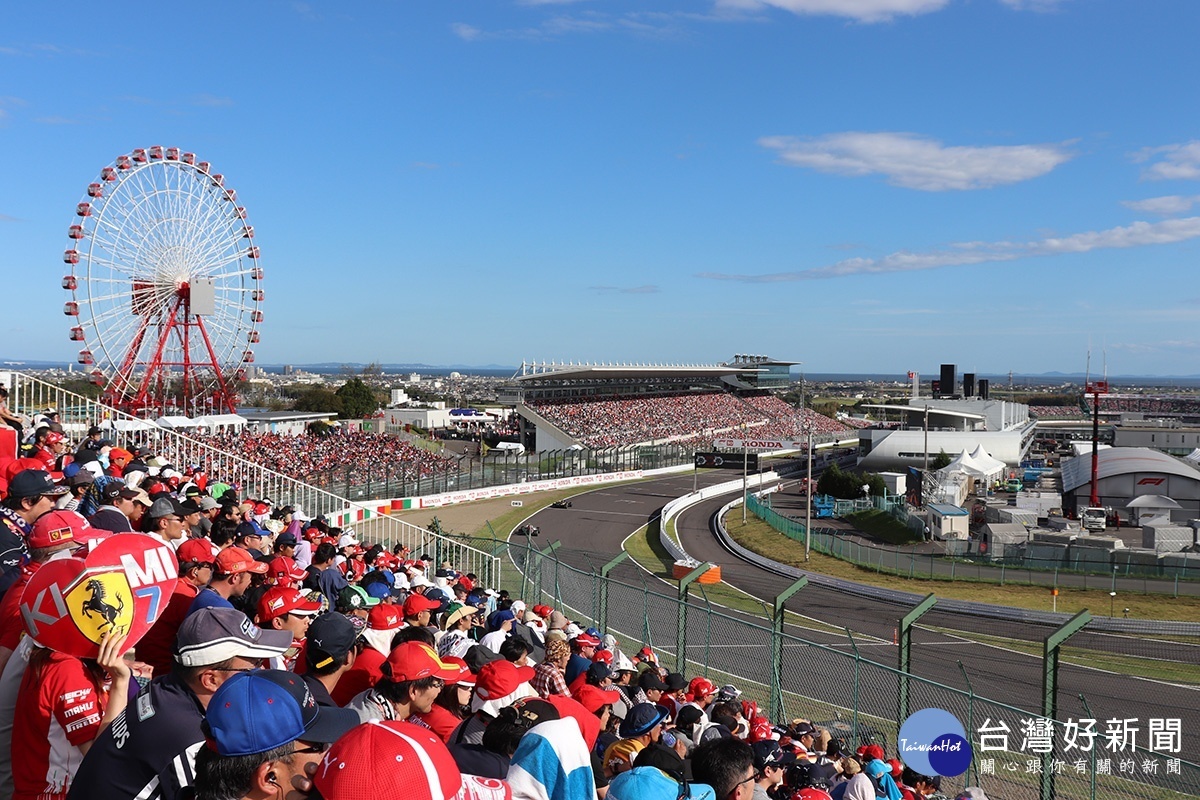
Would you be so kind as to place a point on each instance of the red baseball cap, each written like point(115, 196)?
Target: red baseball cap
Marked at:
point(59, 527)
point(412, 661)
point(384, 617)
point(701, 687)
point(587, 640)
point(389, 758)
point(233, 560)
point(465, 676)
point(593, 698)
point(197, 550)
point(280, 600)
point(285, 570)
point(416, 603)
point(498, 680)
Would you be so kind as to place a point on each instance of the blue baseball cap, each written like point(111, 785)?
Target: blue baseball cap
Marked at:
point(641, 719)
point(651, 783)
point(257, 711)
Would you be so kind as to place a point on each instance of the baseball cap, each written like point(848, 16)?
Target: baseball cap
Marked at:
point(384, 617)
point(593, 698)
point(165, 507)
point(34, 483)
point(412, 661)
point(416, 603)
point(353, 597)
point(207, 503)
point(465, 676)
point(587, 640)
point(644, 783)
point(56, 528)
point(233, 560)
point(381, 590)
point(285, 539)
point(330, 637)
point(199, 551)
point(801, 728)
point(212, 635)
point(347, 539)
point(280, 600)
point(768, 753)
point(286, 570)
point(254, 712)
point(501, 683)
point(641, 719)
point(118, 452)
point(650, 680)
point(389, 758)
point(701, 687)
point(729, 692)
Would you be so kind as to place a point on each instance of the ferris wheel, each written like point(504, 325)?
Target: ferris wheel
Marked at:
point(165, 285)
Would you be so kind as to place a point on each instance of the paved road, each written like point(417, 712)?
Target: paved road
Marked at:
point(593, 530)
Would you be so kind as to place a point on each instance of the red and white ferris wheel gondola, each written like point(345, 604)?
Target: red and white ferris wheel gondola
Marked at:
point(165, 288)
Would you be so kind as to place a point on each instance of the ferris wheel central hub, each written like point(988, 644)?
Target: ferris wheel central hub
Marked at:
point(166, 290)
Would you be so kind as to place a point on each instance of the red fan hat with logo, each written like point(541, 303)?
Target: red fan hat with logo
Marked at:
point(398, 759)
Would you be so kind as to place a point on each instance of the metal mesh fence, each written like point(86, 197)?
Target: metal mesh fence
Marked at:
point(847, 688)
point(1075, 570)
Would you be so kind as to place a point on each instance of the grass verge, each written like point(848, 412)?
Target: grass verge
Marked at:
point(645, 548)
point(1174, 672)
point(762, 538)
point(883, 526)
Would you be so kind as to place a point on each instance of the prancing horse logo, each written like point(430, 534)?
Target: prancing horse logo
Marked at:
point(96, 605)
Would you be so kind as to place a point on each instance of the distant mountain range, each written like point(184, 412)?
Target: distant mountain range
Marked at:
point(997, 379)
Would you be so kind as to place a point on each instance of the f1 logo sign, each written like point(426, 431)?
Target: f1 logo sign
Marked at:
point(1152, 481)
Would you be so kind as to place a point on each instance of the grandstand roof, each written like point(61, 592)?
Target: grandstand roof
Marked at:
point(920, 410)
point(624, 371)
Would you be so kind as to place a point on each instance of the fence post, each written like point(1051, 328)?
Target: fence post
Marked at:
point(681, 635)
point(904, 640)
point(970, 714)
point(542, 594)
point(857, 666)
point(604, 572)
point(777, 614)
point(1050, 688)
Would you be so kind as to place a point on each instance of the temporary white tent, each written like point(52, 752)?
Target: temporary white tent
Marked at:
point(128, 425)
point(221, 422)
point(176, 421)
point(990, 466)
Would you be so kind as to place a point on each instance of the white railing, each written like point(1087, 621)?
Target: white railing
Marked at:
point(30, 396)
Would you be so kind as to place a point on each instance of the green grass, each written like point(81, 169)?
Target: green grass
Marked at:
point(645, 548)
point(1171, 671)
point(883, 526)
point(762, 538)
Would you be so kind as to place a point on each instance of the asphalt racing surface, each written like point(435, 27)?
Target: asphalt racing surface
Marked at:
point(593, 530)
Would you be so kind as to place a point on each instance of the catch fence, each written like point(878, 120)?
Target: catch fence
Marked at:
point(836, 680)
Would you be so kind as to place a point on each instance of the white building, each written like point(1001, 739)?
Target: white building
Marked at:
point(928, 426)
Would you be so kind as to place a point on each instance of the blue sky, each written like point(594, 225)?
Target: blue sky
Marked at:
point(863, 185)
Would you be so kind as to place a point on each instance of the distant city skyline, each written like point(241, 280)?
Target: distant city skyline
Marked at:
point(867, 186)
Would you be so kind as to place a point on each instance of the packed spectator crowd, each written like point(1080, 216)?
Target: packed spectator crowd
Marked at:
point(293, 660)
point(1055, 412)
point(1156, 405)
point(679, 417)
point(337, 457)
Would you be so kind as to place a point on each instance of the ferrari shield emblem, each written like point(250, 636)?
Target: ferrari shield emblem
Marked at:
point(101, 604)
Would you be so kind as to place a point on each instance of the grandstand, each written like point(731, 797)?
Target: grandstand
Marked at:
point(565, 406)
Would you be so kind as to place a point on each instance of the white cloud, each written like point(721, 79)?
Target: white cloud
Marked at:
point(1033, 5)
point(1167, 206)
point(466, 32)
point(966, 253)
point(648, 288)
point(917, 162)
point(860, 10)
point(1175, 162)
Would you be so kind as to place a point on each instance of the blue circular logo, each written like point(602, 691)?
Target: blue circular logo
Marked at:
point(933, 742)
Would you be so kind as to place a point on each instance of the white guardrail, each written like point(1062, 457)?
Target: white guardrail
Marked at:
point(673, 508)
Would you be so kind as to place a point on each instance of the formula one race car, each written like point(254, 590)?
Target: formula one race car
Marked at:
point(561, 504)
point(527, 530)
